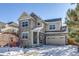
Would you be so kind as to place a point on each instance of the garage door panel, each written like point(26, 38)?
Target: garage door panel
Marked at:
point(55, 40)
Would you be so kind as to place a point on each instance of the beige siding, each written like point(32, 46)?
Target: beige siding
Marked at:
point(58, 25)
point(32, 24)
point(41, 23)
point(25, 42)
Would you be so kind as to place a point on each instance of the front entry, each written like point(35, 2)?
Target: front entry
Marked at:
point(41, 38)
point(38, 38)
point(35, 37)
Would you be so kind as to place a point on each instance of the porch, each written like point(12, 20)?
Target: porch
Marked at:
point(37, 37)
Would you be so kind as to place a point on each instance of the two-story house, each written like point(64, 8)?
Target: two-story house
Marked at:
point(34, 31)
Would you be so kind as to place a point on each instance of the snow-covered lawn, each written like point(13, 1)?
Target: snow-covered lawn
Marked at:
point(45, 50)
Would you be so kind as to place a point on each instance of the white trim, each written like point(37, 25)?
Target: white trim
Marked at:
point(38, 29)
point(24, 19)
point(52, 28)
point(37, 39)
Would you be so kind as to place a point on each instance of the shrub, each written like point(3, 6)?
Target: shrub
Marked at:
point(71, 41)
point(77, 38)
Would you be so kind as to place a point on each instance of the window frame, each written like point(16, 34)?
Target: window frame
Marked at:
point(23, 35)
point(52, 27)
point(24, 23)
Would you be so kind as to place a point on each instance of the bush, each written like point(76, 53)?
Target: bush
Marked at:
point(77, 38)
point(71, 41)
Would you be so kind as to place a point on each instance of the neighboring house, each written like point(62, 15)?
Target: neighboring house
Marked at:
point(2, 25)
point(9, 34)
point(34, 31)
point(10, 27)
point(13, 24)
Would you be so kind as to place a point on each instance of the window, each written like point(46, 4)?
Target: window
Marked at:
point(24, 24)
point(52, 27)
point(38, 23)
point(25, 35)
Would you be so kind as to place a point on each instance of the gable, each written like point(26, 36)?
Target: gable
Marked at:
point(24, 16)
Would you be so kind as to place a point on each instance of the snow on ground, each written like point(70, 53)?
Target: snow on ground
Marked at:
point(45, 50)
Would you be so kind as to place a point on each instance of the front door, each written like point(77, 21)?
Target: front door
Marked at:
point(35, 37)
point(41, 38)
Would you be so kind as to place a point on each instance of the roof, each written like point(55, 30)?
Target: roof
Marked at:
point(50, 20)
point(13, 24)
point(36, 17)
point(38, 29)
point(7, 28)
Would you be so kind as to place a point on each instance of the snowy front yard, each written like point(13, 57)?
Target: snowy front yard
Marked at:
point(45, 50)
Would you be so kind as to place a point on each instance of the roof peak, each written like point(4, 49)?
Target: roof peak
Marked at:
point(24, 15)
point(34, 15)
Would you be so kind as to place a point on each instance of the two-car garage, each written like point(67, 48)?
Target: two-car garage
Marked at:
point(55, 40)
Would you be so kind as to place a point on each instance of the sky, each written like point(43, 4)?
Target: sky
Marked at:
point(12, 11)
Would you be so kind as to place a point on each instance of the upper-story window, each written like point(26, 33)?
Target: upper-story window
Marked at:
point(38, 24)
point(52, 27)
point(24, 24)
point(25, 35)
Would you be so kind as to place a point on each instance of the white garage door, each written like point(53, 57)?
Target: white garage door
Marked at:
point(60, 40)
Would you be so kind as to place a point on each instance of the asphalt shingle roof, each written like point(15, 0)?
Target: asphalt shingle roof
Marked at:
point(50, 20)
